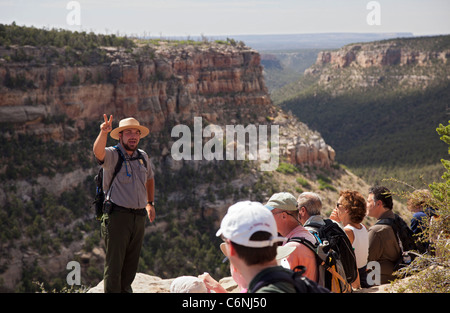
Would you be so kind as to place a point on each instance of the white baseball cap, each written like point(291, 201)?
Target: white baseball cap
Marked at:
point(245, 218)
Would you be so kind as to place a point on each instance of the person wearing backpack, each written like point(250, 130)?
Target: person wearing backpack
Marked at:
point(129, 200)
point(419, 204)
point(250, 233)
point(283, 206)
point(309, 207)
point(335, 255)
point(383, 243)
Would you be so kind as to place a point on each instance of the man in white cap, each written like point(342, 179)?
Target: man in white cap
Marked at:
point(129, 199)
point(250, 233)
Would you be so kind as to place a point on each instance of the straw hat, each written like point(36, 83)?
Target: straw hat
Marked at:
point(128, 123)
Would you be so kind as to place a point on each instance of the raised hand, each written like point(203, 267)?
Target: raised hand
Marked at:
point(106, 126)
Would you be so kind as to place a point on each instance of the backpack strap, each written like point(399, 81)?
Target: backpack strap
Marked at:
point(385, 221)
point(305, 242)
point(120, 162)
point(117, 168)
point(280, 276)
point(391, 222)
point(310, 246)
point(140, 157)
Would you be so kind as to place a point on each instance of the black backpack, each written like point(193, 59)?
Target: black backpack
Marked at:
point(405, 239)
point(335, 256)
point(301, 284)
point(99, 199)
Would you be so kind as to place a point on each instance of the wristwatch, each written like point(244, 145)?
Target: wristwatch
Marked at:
point(151, 203)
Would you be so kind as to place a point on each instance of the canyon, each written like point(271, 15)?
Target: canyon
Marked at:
point(55, 97)
point(161, 85)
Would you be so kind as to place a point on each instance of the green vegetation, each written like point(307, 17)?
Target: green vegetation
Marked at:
point(377, 118)
point(303, 182)
point(31, 36)
point(287, 168)
point(27, 156)
point(283, 67)
point(203, 41)
point(430, 272)
point(426, 43)
point(58, 46)
point(384, 131)
point(325, 183)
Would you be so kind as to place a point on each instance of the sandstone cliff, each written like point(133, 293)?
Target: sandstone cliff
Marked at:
point(158, 84)
point(403, 63)
point(377, 55)
point(161, 85)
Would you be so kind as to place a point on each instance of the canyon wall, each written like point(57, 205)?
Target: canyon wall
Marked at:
point(161, 85)
point(416, 63)
point(378, 55)
point(156, 84)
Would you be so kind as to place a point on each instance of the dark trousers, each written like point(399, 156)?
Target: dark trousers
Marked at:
point(124, 234)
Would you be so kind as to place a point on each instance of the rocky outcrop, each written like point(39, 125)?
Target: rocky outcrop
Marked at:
point(158, 83)
point(415, 63)
point(300, 144)
point(144, 283)
point(162, 85)
point(380, 55)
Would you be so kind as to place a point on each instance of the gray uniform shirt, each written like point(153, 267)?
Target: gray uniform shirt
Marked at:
point(129, 187)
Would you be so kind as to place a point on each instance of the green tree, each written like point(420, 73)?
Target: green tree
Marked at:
point(432, 269)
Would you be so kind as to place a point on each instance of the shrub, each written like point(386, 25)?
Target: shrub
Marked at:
point(287, 168)
point(432, 269)
point(303, 182)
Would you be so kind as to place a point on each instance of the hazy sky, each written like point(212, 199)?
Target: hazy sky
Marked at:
point(231, 17)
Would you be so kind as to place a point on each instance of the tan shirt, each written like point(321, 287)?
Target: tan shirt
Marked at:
point(384, 248)
point(129, 187)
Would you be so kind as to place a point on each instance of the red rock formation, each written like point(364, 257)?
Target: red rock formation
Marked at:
point(155, 85)
point(221, 83)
